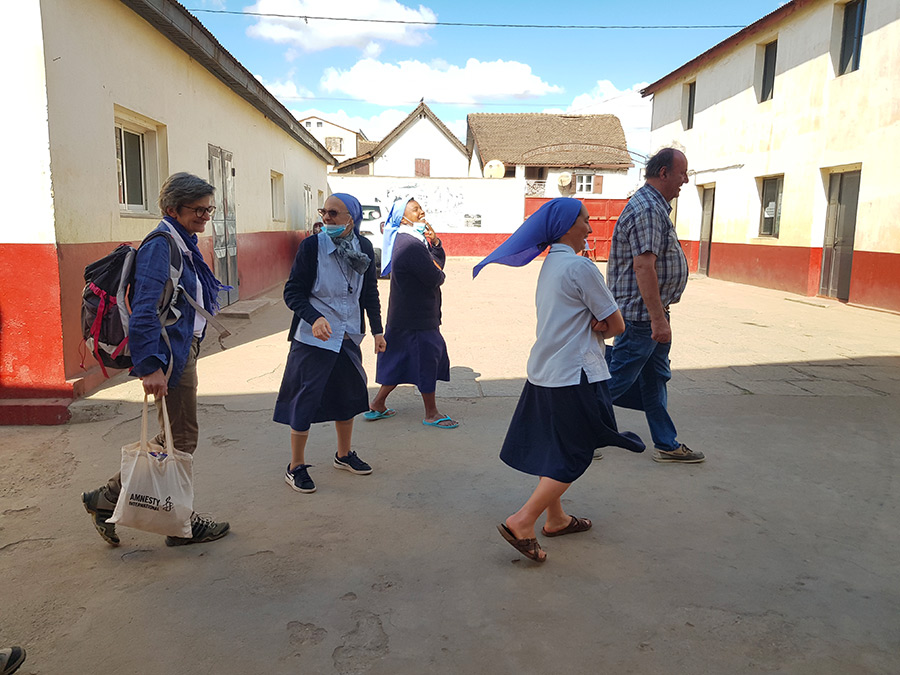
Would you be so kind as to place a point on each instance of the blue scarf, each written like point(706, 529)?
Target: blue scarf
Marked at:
point(391, 226)
point(358, 261)
point(353, 207)
point(205, 277)
point(541, 229)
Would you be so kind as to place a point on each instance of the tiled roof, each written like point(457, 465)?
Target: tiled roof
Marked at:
point(362, 147)
point(541, 139)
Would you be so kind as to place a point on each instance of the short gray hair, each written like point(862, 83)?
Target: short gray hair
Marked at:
point(661, 160)
point(182, 188)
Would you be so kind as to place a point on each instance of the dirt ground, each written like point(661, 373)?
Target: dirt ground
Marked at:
point(780, 554)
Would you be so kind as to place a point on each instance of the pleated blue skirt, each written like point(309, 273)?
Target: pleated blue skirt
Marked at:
point(320, 385)
point(555, 430)
point(416, 357)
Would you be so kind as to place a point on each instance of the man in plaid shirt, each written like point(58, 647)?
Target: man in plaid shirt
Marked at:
point(647, 272)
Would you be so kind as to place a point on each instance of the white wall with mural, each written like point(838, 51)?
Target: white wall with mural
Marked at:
point(460, 205)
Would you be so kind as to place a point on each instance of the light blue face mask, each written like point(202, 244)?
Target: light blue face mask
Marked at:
point(419, 227)
point(334, 231)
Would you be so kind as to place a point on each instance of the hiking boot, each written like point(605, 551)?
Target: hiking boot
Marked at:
point(203, 529)
point(683, 455)
point(299, 479)
point(100, 507)
point(352, 463)
point(10, 660)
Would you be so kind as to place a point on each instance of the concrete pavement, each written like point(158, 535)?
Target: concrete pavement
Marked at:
point(781, 553)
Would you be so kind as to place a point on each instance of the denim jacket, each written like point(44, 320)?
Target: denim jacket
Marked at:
point(148, 349)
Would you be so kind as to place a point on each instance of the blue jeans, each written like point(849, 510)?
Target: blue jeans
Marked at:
point(639, 366)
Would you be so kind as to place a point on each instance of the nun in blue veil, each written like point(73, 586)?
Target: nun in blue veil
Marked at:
point(564, 411)
point(332, 288)
point(416, 352)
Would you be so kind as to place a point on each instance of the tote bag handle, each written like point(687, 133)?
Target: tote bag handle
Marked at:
point(167, 426)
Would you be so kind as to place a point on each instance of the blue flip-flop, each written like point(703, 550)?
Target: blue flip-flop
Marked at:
point(437, 423)
point(373, 415)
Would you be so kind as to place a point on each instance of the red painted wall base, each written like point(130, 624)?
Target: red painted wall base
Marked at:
point(32, 411)
point(874, 280)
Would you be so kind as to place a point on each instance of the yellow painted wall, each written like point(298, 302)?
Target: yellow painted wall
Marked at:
point(814, 123)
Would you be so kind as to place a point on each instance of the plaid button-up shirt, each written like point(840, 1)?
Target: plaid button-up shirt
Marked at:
point(643, 227)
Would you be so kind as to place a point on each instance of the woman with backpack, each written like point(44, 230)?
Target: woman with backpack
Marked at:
point(332, 282)
point(188, 205)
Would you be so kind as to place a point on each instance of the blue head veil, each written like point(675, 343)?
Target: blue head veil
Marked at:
point(390, 233)
point(353, 206)
point(545, 226)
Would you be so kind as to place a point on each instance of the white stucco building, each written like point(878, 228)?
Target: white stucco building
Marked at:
point(341, 142)
point(791, 128)
point(420, 146)
point(110, 98)
point(552, 155)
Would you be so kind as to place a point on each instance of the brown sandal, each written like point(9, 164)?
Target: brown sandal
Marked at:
point(530, 548)
point(575, 525)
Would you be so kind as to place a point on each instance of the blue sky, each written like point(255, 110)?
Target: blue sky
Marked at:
point(315, 66)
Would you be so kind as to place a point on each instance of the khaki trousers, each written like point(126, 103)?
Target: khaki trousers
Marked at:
point(181, 402)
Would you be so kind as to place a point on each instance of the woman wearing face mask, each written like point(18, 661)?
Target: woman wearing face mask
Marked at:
point(416, 352)
point(331, 283)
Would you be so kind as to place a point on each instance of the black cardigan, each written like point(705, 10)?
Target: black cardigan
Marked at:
point(303, 277)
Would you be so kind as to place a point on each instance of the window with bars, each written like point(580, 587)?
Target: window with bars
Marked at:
point(334, 144)
point(276, 183)
point(130, 168)
point(690, 96)
point(768, 72)
point(584, 183)
point(851, 36)
point(770, 212)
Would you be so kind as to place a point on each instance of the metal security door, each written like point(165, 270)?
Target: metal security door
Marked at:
point(840, 229)
point(221, 175)
point(706, 226)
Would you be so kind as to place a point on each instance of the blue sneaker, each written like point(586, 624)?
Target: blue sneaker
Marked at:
point(353, 464)
point(299, 479)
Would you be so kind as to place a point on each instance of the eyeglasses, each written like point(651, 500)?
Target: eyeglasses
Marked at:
point(200, 211)
point(331, 213)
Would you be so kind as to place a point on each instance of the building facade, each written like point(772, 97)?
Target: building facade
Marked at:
point(88, 143)
point(789, 128)
point(341, 142)
point(581, 156)
point(421, 146)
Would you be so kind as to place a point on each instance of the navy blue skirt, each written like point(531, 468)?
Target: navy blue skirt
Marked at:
point(416, 357)
point(320, 385)
point(555, 430)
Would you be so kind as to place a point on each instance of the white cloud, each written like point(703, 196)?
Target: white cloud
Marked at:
point(627, 104)
point(316, 34)
point(375, 127)
point(287, 91)
point(406, 82)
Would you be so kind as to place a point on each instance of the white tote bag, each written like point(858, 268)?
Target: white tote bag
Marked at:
point(157, 484)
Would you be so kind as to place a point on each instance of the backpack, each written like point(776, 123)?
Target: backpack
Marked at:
point(106, 304)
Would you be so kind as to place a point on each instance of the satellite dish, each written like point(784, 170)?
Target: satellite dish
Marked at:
point(565, 179)
point(494, 169)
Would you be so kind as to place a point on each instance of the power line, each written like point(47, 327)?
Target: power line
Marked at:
point(412, 101)
point(462, 24)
